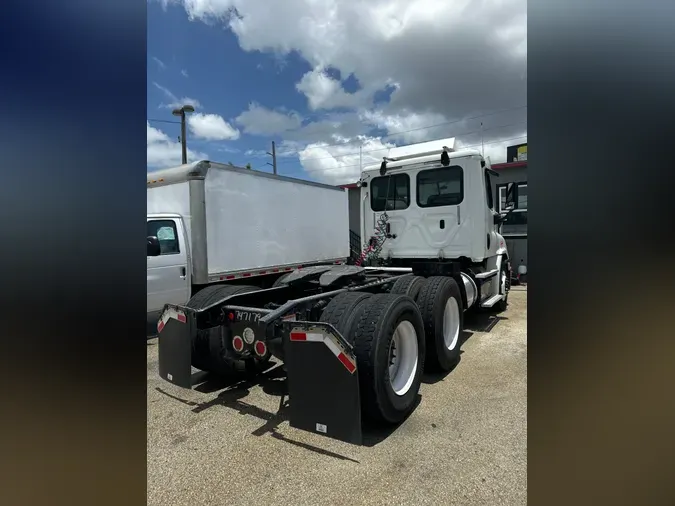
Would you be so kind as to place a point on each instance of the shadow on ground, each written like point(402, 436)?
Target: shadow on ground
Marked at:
point(233, 392)
point(483, 321)
point(273, 382)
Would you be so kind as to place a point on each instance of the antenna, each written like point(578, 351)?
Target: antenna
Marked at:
point(482, 139)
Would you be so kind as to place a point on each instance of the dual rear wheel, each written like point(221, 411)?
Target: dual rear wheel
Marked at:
point(395, 336)
point(387, 335)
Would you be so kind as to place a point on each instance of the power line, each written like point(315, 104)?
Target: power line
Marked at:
point(164, 121)
point(385, 149)
point(394, 134)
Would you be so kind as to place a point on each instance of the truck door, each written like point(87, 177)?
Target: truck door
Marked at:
point(492, 239)
point(390, 193)
point(168, 273)
point(444, 220)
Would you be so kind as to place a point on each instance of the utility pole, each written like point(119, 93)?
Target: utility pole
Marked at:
point(273, 154)
point(183, 141)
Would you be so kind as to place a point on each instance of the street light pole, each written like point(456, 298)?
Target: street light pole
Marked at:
point(183, 140)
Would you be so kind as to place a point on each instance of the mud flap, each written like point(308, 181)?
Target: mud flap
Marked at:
point(175, 328)
point(323, 383)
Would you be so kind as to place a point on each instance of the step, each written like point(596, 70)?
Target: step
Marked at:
point(487, 274)
point(491, 301)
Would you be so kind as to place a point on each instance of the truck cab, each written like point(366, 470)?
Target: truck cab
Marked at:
point(168, 272)
point(437, 203)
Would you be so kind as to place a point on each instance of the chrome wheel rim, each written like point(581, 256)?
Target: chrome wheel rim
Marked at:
point(403, 358)
point(451, 323)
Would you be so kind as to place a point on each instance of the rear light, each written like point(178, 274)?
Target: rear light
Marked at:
point(230, 317)
point(249, 335)
point(260, 349)
point(238, 344)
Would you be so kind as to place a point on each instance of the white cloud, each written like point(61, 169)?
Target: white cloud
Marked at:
point(342, 163)
point(324, 92)
point(163, 152)
point(159, 63)
point(452, 57)
point(286, 149)
point(185, 73)
point(446, 61)
point(259, 120)
point(211, 127)
point(174, 100)
point(407, 126)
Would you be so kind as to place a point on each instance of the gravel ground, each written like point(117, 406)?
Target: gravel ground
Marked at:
point(465, 444)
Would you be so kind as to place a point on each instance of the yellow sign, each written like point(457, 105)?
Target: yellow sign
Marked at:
point(522, 153)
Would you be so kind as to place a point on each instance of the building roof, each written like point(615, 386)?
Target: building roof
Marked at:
point(509, 165)
point(495, 166)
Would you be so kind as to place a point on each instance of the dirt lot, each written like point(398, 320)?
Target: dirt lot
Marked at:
point(465, 444)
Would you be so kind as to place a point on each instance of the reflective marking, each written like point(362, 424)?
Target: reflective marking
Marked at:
point(170, 313)
point(331, 343)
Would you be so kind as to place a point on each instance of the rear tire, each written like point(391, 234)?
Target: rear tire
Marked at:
point(341, 311)
point(209, 352)
point(440, 302)
point(389, 375)
point(409, 285)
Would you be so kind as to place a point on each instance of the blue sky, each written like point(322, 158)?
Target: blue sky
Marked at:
point(195, 60)
point(328, 81)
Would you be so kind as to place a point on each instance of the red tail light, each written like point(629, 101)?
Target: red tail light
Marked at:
point(237, 344)
point(260, 349)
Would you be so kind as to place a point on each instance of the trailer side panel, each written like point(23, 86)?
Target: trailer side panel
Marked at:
point(255, 222)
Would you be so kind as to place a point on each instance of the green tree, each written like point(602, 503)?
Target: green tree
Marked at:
point(248, 166)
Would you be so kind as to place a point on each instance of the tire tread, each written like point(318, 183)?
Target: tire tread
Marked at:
point(428, 302)
point(367, 329)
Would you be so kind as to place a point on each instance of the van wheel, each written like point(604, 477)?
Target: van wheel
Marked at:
point(388, 340)
point(209, 352)
point(409, 285)
point(440, 303)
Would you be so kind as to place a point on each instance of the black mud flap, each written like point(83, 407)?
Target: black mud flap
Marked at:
point(323, 383)
point(175, 328)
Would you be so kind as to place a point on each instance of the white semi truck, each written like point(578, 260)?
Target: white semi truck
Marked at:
point(355, 339)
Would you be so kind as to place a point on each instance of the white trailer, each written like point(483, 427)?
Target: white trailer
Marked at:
point(210, 223)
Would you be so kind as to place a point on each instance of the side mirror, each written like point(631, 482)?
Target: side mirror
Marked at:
point(153, 246)
point(510, 196)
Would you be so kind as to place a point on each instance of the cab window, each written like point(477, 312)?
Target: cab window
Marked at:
point(166, 233)
point(440, 187)
point(390, 192)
